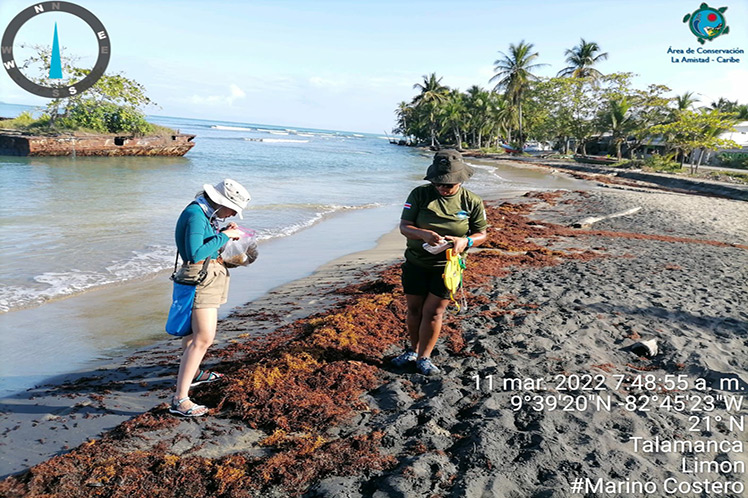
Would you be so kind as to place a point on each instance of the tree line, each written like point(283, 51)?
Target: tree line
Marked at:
point(571, 110)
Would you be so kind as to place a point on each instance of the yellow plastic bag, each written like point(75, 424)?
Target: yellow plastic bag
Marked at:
point(453, 276)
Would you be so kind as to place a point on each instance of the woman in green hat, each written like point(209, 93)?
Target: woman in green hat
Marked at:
point(437, 213)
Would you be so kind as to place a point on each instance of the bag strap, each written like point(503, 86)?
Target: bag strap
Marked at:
point(204, 270)
point(201, 274)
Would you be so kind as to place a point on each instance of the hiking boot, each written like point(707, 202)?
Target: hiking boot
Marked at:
point(425, 367)
point(404, 359)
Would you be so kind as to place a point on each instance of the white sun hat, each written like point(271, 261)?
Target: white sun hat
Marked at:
point(229, 193)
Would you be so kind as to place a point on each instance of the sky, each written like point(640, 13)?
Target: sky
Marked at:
point(345, 65)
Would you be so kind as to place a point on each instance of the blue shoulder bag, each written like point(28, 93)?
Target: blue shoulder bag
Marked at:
point(179, 321)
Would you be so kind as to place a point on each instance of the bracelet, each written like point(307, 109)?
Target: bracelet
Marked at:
point(470, 241)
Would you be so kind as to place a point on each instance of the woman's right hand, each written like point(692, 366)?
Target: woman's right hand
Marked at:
point(233, 233)
point(431, 238)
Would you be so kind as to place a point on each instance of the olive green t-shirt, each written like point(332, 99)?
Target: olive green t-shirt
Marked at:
point(458, 215)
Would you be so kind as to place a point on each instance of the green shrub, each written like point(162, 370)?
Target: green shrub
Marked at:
point(733, 160)
point(104, 117)
point(660, 163)
point(730, 176)
point(21, 122)
point(630, 164)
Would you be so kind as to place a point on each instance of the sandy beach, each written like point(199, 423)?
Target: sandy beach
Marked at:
point(545, 390)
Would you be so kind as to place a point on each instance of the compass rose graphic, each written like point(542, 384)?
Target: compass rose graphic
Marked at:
point(55, 70)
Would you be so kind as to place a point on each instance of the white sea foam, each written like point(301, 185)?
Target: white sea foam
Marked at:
point(320, 213)
point(55, 285)
point(276, 140)
point(231, 128)
point(154, 259)
point(491, 170)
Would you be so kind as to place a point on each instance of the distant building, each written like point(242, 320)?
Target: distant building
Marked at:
point(740, 136)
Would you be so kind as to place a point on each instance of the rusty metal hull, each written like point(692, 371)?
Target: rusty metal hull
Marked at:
point(18, 144)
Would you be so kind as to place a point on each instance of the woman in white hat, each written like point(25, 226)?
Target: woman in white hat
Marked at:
point(198, 236)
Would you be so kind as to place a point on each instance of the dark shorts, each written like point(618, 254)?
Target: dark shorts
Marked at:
point(420, 281)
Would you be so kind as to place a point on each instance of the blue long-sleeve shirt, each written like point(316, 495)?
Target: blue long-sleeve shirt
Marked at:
point(196, 238)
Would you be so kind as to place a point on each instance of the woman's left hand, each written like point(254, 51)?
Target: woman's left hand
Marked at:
point(230, 226)
point(459, 244)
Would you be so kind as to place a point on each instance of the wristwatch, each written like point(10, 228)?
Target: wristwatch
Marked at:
point(470, 241)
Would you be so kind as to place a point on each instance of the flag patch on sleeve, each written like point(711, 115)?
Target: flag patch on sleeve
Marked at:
point(407, 205)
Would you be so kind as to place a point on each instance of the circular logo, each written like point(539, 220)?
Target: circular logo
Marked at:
point(707, 23)
point(54, 92)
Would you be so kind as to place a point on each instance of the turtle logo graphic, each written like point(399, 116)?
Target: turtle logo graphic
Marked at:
point(707, 23)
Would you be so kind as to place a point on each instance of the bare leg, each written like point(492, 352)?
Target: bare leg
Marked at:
point(204, 323)
point(186, 341)
point(431, 324)
point(413, 317)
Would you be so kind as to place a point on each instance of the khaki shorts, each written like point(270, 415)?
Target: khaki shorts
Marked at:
point(214, 290)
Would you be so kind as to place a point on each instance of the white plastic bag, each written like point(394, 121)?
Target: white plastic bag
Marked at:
point(241, 252)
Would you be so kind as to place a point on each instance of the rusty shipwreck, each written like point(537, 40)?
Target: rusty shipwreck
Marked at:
point(15, 143)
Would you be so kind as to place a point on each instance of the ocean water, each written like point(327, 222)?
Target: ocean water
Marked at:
point(73, 226)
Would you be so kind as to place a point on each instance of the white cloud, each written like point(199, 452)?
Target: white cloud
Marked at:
point(235, 93)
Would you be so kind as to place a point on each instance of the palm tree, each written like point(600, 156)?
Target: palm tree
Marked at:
point(724, 105)
point(433, 94)
point(454, 115)
point(477, 108)
point(514, 74)
point(403, 112)
point(685, 101)
point(581, 59)
point(619, 121)
point(500, 117)
point(742, 111)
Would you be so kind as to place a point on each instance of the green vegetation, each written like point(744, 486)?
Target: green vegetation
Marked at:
point(581, 60)
point(742, 177)
point(733, 160)
point(659, 163)
point(579, 111)
point(113, 105)
point(514, 76)
point(696, 131)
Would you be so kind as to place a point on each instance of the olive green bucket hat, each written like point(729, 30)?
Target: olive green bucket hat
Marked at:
point(448, 167)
